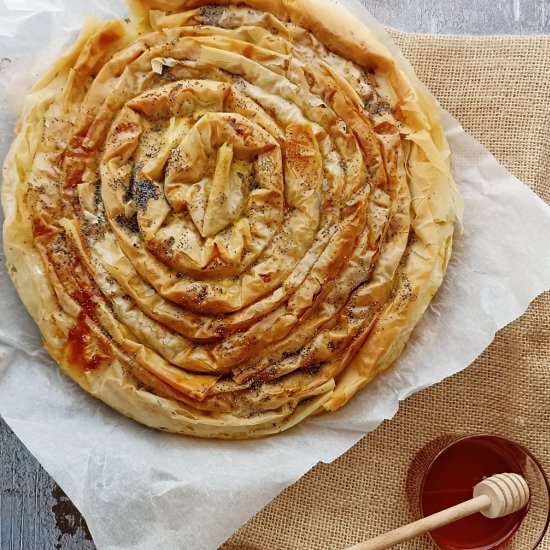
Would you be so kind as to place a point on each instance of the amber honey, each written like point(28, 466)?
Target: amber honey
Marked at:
point(450, 479)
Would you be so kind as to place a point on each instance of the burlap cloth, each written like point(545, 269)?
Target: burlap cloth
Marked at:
point(499, 89)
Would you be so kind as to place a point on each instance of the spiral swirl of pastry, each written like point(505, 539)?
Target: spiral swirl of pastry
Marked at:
point(225, 218)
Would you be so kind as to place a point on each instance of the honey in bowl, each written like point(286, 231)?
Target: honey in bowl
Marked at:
point(450, 480)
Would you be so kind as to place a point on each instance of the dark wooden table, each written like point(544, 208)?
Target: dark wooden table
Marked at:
point(35, 514)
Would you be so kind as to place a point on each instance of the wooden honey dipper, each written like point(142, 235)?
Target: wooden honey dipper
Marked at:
point(494, 497)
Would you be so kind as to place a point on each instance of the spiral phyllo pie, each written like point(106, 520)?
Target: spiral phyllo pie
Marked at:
point(226, 218)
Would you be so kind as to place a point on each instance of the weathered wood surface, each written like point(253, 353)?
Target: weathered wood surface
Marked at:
point(464, 16)
point(35, 514)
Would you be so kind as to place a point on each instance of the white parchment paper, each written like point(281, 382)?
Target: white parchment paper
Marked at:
point(142, 489)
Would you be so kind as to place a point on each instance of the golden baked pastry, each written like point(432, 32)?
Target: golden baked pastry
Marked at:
point(225, 218)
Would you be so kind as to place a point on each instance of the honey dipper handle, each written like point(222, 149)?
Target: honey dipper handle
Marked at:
point(424, 525)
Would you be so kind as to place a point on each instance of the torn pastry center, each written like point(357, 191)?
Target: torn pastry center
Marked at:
point(206, 190)
point(222, 171)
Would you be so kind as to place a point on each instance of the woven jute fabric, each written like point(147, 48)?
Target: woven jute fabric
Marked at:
point(499, 89)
